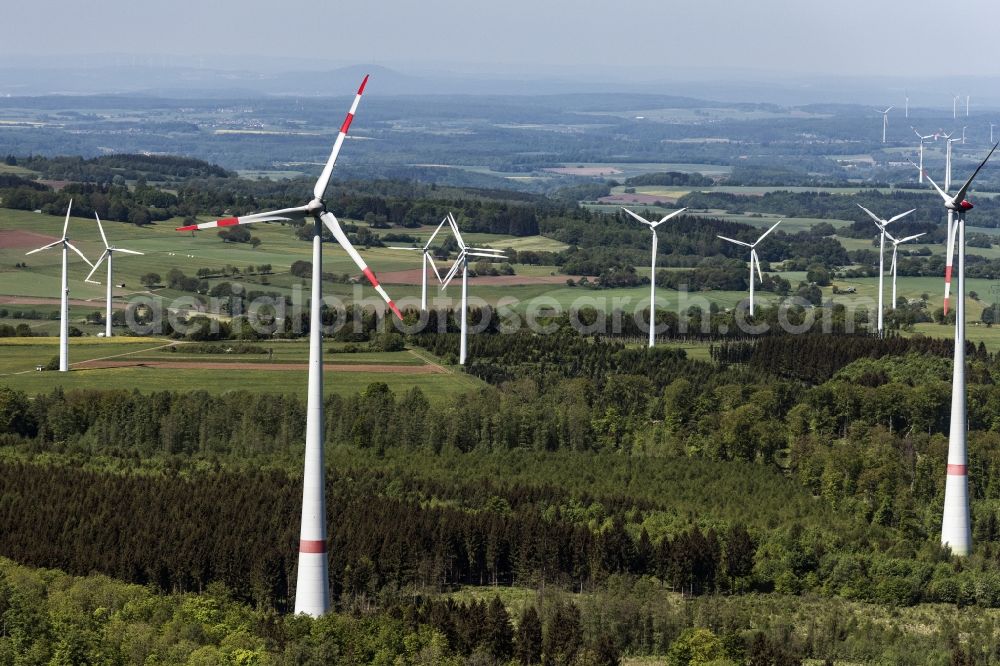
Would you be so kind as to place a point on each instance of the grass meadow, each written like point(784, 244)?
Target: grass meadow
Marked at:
point(20, 356)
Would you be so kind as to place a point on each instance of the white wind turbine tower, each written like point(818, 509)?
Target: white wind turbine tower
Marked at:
point(907, 108)
point(427, 259)
point(892, 268)
point(881, 224)
point(966, 106)
point(922, 139)
point(956, 529)
point(754, 259)
point(947, 157)
point(954, 107)
point(652, 276)
point(462, 262)
point(312, 592)
point(64, 290)
point(950, 241)
point(885, 121)
point(949, 253)
point(108, 253)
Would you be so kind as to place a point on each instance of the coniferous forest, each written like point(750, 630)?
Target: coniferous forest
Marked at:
point(594, 502)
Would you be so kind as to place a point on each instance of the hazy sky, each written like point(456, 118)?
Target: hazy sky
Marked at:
point(646, 38)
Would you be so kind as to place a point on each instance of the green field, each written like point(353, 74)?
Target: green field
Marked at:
point(20, 171)
point(166, 249)
point(789, 225)
point(19, 356)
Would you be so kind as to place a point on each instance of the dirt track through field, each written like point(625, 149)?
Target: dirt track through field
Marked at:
point(40, 300)
point(220, 365)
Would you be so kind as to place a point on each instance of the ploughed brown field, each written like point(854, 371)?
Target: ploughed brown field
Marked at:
point(18, 238)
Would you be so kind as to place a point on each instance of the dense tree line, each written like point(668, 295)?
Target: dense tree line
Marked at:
point(670, 179)
point(13, 181)
point(686, 241)
point(816, 358)
point(716, 273)
point(103, 169)
point(184, 532)
point(566, 354)
point(926, 265)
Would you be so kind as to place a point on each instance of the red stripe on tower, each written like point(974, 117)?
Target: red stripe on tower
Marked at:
point(347, 123)
point(371, 276)
point(392, 306)
point(946, 305)
point(957, 470)
point(190, 227)
point(228, 222)
point(311, 546)
point(947, 273)
point(364, 82)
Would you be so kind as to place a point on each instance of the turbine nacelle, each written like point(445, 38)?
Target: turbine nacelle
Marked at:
point(315, 207)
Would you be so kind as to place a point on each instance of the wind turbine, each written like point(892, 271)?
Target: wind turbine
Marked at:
point(949, 259)
point(907, 108)
point(312, 593)
point(64, 290)
point(947, 157)
point(462, 262)
point(922, 138)
point(954, 107)
point(966, 106)
point(956, 524)
point(892, 268)
point(885, 121)
point(652, 276)
point(963, 134)
point(427, 259)
point(881, 224)
point(108, 253)
point(754, 259)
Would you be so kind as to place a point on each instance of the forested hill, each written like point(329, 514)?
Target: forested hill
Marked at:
point(173, 187)
point(124, 166)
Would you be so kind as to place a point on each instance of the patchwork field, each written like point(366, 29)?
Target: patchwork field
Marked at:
point(29, 294)
point(149, 364)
